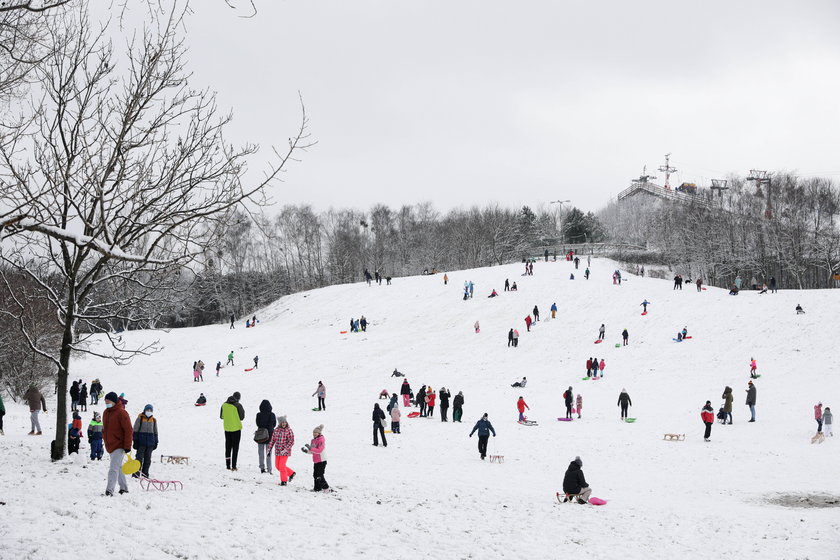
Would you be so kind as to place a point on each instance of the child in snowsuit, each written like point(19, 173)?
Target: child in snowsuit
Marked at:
point(282, 440)
point(395, 419)
point(827, 422)
point(579, 404)
point(602, 365)
point(753, 367)
point(94, 434)
point(74, 434)
point(430, 403)
point(521, 405)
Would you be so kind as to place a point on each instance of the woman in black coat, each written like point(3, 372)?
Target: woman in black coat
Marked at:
point(265, 419)
point(378, 418)
point(458, 407)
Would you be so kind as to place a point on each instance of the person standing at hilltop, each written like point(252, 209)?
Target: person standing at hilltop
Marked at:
point(727, 404)
point(36, 402)
point(708, 417)
point(118, 436)
point(624, 402)
point(751, 398)
point(266, 422)
point(321, 391)
point(458, 407)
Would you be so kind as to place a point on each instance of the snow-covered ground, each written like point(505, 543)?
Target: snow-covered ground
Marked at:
point(428, 493)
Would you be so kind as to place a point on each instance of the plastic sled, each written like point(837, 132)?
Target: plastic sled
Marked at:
point(564, 419)
point(629, 420)
point(316, 409)
point(676, 340)
point(599, 341)
point(644, 313)
point(413, 414)
point(342, 332)
point(704, 289)
point(200, 404)
point(597, 502)
point(131, 466)
point(617, 345)
point(161, 485)
point(586, 378)
point(249, 369)
point(686, 337)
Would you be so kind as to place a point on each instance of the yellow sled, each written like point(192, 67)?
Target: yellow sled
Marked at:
point(131, 466)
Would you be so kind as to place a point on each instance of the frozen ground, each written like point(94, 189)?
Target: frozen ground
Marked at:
point(427, 493)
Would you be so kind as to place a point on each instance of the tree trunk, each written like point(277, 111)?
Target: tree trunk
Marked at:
point(60, 442)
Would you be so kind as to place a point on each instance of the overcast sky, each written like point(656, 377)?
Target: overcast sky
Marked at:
point(463, 102)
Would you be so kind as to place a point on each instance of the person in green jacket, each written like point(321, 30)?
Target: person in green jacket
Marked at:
point(232, 415)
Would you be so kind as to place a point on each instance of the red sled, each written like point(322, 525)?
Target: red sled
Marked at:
point(413, 414)
point(597, 501)
point(644, 312)
point(249, 369)
point(201, 404)
point(599, 341)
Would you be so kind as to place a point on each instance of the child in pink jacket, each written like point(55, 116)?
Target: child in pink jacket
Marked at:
point(282, 441)
point(601, 366)
point(395, 419)
point(579, 401)
point(316, 449)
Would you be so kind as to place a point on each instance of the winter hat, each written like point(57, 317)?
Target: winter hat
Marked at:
point(236, 395)
point(708, 402)
point(749, 382)
point(578, 461)
point(318, 429)
point(112, 396)
point(148, 407)
point(484, 416)
point(96, 417)
point(281, 419)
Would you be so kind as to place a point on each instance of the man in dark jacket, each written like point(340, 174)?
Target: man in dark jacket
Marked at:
point(118, 435)
point(458, 407)
point(378, 418)
point(95, 389)
point(266, 420)
point(624, 401)
point(83, 395)
point(751, 393)
point(74, 397)
point(575, 483)
point(421, 400)
point(568, 397)
point(443, 395)
point(484, 428)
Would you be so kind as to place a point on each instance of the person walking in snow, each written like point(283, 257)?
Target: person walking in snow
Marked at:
point(94, 434)
point(568, 398)
point(751, 397)
point(430, 403)
point(601, 366)
point(528, 322)
point(644, 305)
point(536, 314)
point(405, 391)
point(589, 367)
point(828, 420)
point(625, 336)
point(363, 323)
point(232, 321)
point(145, 439)
point(118, 435)
point(707, 415)
point(36, 402)
point(586, 273)
point(200, 368)
point(699, 283)
point(74, 397)
point(230, 359)
point(484, 428)
point(579, 404)
point(595, 367)
point(575, 483)
point(444, 395)
point(753, 367)
point(458, 407)
point(266, 422)
point(554, 310)
point(218, 367)
point(818, 416)
point(420, 400)
point(282, 441)
point(601, 331)
point(445, 279)
point(510, 337)
point(256, 362)
point(477, 327)
point(321, 391)
point(577, 262)
point(316, 448)
point(507, 284)
point(232, 414)
point(378, 417)
point(515, 338)
point(727, 404)
point(521, 405)
point(624, 402)
point(95, 389)
point(395, 419)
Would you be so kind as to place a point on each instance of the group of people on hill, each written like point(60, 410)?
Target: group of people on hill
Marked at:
point(358, 325)
point(378, 277)
point(593, 367)
point(79, 395)
point(252, 322)
point(724, 414)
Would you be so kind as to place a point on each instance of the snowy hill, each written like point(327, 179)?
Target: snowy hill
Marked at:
point(428, 493)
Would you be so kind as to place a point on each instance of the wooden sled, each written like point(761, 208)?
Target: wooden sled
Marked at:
point(674, 437)
point(567, 498)
point(161, 485)
point(177, 459)
point(497, 458)
point(818, 438)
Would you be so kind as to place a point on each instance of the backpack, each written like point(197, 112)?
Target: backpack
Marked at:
point(262, 435)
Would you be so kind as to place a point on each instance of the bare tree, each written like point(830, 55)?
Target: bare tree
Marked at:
point(122, 180)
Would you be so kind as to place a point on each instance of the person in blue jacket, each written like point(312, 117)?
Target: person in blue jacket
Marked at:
point(484, 427)
point(145, 439)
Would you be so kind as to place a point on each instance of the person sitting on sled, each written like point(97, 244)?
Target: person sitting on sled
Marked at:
point(201, 401)
point(679, 337)
point(684, 332)
point(575, 483)
point(799, 310)
point(493, 294)
point(520, 383)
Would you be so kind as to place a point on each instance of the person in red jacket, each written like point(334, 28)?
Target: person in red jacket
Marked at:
point(521, 405)
point(528, 322)
point(708, 417)
point(118, 435)
point(430, 403)
point(589, 367)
